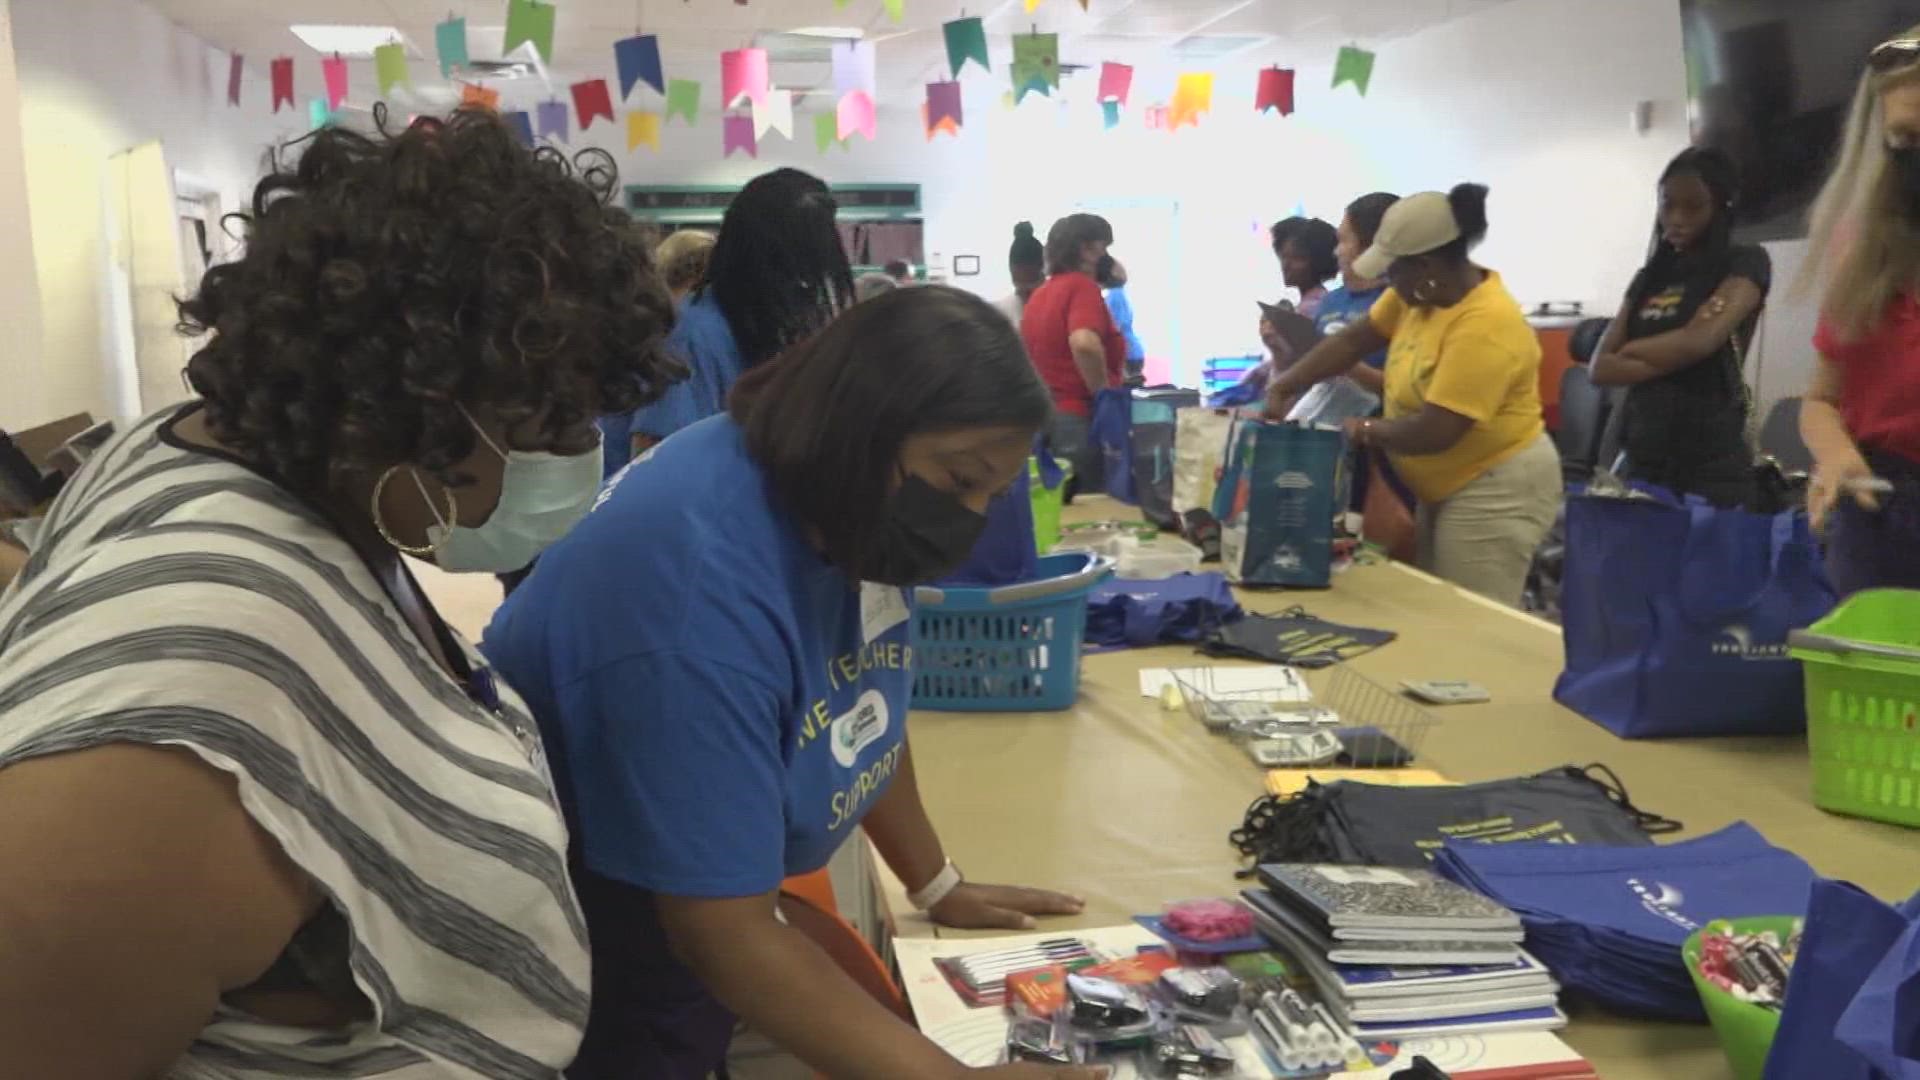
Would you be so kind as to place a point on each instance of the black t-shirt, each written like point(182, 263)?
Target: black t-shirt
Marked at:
point(1695, 417)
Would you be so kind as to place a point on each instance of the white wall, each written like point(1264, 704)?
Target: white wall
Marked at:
point(98, 77)
point(20, 401)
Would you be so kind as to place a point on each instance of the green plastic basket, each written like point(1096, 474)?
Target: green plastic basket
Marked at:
point(1745, 1030)
point(1047, 505)
point(1863, 706)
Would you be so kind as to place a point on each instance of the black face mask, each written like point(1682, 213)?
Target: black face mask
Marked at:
point(925, 535)
point(1103, 272)
point(1906, 174)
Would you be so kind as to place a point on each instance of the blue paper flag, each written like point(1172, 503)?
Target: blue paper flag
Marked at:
point(1112, 111)
point(522, 125)
point(638, 59)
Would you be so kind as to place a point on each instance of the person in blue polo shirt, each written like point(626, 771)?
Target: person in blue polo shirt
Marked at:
point(719, 660)
point(1355, 296)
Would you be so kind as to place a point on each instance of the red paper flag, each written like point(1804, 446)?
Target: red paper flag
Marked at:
point(282, 67)
point(1116, 82)
point(234, 68)
point(1276, 91)
point(591, 98)
point(335, 70)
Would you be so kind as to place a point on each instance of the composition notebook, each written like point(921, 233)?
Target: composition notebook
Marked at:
point(1381, 897)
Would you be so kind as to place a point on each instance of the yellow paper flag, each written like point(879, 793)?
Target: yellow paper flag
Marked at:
point(1192, 96)
point(1031, 5)
point(643, 128)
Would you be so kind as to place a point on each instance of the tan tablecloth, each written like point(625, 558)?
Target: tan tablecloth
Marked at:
point(1130, 806)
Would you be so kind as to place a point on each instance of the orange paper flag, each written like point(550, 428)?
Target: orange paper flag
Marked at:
point(484, 96)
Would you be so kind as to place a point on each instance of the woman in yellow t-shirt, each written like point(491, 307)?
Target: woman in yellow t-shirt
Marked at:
point(1463, 423)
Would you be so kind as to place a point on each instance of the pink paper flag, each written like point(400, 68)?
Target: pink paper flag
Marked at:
point(736, 133)
point(282, 68)
point(334, 70)
point(234, 67)
point(1116, 82)
point(743, 74)
point(856, 114)
point(592, 99)
point(944, 108)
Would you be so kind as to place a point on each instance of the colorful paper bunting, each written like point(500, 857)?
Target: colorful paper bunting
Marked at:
point(522, 125)
point(592, 100)
point(235, 68)
point(551, 120)
point(736, 133)
point(484, 96)
point(967, 40)
point(1156, 118)
point(1192, 95)
point(944, 108)
point(334, 70)
point(318, 115)
point(1036, 64)
point(743, 76)
point(774, 114)
point(643, 129)
point(683, 99)
point(450, 42)
point(1116, 82)
point(638, 59)
point(529, 21)
point(390, 66)
point(826, 131)
point(853, 69)
point(1275, 91)
point(1354, 66)
point(855, 114)
point(1111, 110)
point(282, 68)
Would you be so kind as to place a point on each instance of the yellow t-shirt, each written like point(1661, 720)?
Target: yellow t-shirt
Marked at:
point(1478, 358)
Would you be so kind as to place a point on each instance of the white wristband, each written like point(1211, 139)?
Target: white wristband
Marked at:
point(929, 896)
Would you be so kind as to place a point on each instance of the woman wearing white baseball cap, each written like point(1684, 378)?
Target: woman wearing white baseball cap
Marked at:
point(1463, 423)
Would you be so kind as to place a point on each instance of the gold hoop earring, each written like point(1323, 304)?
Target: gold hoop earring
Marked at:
point(379, 523)
point(1423, 292)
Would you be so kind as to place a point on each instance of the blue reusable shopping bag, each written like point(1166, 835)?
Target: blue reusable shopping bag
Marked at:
point(1676, 616)
point(1184, 607)
point(1838, 1023)
point(1111, 433)
point(1006, 551)
point(1280, 486)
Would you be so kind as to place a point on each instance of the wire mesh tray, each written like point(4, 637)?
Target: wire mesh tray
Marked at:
point(1338, 716)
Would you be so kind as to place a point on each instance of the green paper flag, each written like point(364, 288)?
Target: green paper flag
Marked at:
point(683, 99)
point(896, 9)
point(1036, 64)
point(530, 20)
point(826, 131)
point(967, 40)
point(1354, 66)
point(450, 40)
point(1112, 111)
point(390, 65)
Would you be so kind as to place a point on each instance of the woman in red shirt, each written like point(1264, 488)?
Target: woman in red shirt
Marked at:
point(1071, 336)
point(1861, 418)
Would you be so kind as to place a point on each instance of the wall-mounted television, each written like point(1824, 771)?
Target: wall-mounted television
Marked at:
point(1770, 82)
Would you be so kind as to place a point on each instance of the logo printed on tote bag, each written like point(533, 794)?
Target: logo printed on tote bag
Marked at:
point(1293, 481)
point(1737, 640)
point(1660, 899)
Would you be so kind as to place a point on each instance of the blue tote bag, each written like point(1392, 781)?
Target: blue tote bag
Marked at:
point(1842, 1019)
point(1111, 433)
point(1005, 552)
point(1676, 616)
point(1279, 489)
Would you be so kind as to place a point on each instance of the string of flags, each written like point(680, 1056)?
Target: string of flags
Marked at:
point(753, 108)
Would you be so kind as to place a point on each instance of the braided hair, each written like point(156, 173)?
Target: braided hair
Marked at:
point(779, 271)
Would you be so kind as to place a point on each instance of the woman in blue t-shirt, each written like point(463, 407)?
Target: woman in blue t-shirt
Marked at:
point(719, 660)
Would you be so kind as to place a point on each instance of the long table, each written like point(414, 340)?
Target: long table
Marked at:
point(1130, 806)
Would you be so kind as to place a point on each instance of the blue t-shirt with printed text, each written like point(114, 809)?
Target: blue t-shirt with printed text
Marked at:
point(1342, 308)
point(721, 705)
point(703, 341)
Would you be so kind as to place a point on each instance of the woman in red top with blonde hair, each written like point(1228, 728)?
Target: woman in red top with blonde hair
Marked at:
point(1861, 419)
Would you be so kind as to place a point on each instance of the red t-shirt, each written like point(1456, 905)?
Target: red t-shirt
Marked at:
point(1066, 303)
point(1880, 391)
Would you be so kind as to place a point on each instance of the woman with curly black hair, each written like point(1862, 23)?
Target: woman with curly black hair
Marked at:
point(281, 820)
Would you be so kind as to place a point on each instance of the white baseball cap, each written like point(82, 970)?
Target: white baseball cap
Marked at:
point(1415, 225)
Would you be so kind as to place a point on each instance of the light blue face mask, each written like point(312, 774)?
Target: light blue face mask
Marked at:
point(542, 496)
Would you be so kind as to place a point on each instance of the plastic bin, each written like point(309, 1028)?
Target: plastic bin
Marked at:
point(1745, 1030)
point(1161, 557)
point(1047, 503)
point(1015, 648)
point(1863, 705)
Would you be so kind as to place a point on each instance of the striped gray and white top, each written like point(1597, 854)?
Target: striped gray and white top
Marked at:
point(177, 598)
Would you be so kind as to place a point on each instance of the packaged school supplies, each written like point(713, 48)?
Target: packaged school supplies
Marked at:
point(1279, 490)
point(1844, 1017)
point(1044, 990)
point(1126, 612)
point(1353, 721)
point(1294, 930)
point(1293, 637)
point(1611, 921)
point(981, 979)
point(1676, 616)
point(1740, 969)
point(1339, 899)
point(1363, 824)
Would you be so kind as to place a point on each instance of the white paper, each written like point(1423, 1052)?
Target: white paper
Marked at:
point(1283, 684)
point(882, 607)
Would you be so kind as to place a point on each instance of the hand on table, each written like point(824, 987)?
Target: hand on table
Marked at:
point(1001, 907)
point(1026, 1070)
point(1830, 485)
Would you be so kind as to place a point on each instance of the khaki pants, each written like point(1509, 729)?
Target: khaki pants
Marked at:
point(1482, 537)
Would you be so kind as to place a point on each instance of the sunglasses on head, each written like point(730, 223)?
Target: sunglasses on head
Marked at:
point(1893, 55)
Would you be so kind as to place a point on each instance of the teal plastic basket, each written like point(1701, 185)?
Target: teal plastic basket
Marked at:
point(1015, 648)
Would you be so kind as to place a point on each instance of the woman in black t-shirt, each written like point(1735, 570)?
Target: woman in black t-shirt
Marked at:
point(1680, 341)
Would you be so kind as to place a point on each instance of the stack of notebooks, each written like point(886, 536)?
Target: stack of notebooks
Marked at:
point(1403, 954)
point(1610, 921)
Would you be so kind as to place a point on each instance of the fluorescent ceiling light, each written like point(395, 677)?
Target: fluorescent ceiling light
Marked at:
point(351, 40)
point(845, 33)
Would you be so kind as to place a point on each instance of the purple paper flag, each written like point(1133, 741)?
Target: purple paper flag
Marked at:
point(736, 133)
point(552, 120)
point(853, 67)
point(638, 59)
point(943, 104)
point(234, 68)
